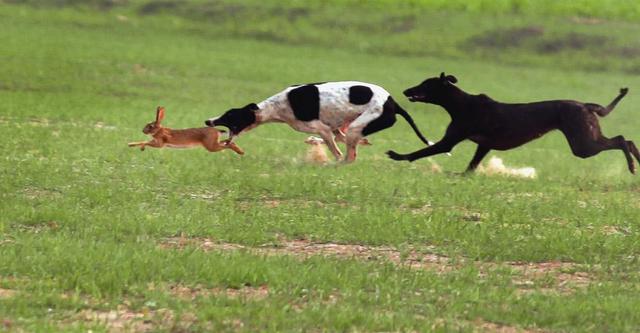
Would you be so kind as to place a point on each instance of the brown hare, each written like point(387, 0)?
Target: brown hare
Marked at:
point(208, 137)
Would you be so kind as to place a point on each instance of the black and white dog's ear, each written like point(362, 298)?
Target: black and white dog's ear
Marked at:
point(452, 79)
point(251, 106)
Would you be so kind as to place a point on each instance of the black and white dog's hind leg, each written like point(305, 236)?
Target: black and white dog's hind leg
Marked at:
point(321, 129)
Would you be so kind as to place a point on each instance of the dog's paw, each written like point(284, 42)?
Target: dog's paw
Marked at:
point(395, 156)
point(624, 91)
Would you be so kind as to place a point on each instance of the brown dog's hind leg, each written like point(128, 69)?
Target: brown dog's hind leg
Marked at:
point(585, 138)
point(634, 150)
point(585, 147)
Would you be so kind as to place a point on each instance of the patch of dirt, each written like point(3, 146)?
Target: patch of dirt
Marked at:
point(571, 41)
point(274, 202)
point(156, 7)
point(103, 126)
point(204, 195)
point(513, 196)
point(32, 193)
point(533, 38)
point(586, 20)
point(245, 292)
point(104, 5)
point(208, 11)
point(305, 249)
point(505, 38)
point(612, 230)
point(400, 24)
point(6, 239)
point(37, 227)
point(292, 14)
point(425, 209)
point(7, 293)
point(484, 326)
point(549, 277)
point(124, 319)
point(562, 277)
point(7, 324)
point(628, 52)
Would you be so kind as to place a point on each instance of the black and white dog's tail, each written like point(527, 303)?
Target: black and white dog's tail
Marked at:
point(399, 110)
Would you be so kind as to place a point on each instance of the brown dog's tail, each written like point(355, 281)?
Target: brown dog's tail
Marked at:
point(602, 111)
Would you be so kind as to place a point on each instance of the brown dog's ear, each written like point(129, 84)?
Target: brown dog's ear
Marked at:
point(452, 79)
point(447, 79)
point(159, 114)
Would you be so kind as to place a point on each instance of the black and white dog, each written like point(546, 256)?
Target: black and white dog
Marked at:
point(323, 109)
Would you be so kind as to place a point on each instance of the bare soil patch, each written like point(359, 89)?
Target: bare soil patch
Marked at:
point(124, 319)
point(37, 227)
point(245, 292)
point(412, 258)
point(553, 276)
point(505, 38)
point(7, 293)
point(491, 327)
point(549, 277)
point(571, 41)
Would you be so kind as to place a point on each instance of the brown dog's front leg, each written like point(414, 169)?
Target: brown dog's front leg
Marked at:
point(481, 152)
point(443, 146)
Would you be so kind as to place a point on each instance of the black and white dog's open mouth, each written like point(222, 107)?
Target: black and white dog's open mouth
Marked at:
point(414, 98)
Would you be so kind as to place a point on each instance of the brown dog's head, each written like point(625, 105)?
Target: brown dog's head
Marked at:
point(236, 120)
point(154, 126)
point(431, 90)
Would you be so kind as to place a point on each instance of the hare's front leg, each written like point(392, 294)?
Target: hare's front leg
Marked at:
point(139, 143)
point(143, 144)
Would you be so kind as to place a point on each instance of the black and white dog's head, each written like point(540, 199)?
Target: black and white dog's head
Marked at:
point(236, 120)
point(432, 89)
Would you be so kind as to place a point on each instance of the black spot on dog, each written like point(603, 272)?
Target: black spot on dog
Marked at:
point(305, 102)
point(386, 119)
point(360, 95)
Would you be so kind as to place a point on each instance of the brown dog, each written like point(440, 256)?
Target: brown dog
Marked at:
point(503, 126)
point(208, 137)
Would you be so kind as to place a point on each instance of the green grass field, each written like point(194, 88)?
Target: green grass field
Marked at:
point(98, 236)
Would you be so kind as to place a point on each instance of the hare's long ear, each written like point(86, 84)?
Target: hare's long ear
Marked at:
point(159, 114)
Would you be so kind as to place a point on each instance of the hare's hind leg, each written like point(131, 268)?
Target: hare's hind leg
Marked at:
point(212, 145)
point(234, 147)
